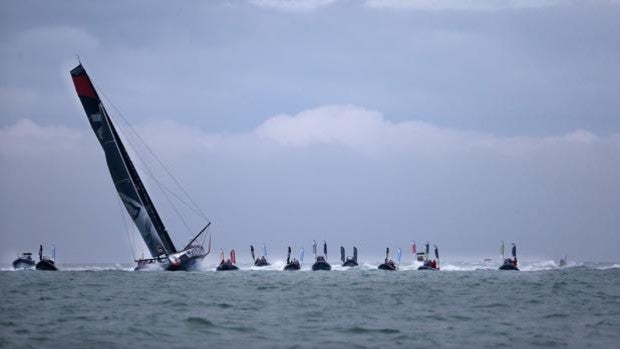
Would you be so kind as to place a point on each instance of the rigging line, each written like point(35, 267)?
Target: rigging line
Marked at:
point(158, 160)
point(196, 208)
point(153, 154)
point(148, 170)
point(164, 189)
point(176, 196)
point(159, 184)
point(204, 238)
point(120, 206)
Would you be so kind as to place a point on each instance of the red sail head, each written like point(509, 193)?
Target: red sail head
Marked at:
point(84, 87)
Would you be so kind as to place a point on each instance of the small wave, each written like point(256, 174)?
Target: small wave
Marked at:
point(95, 268)
point(200, 321)
point(452, 267)
point(275, 265)
point(607, 267)
point(363, 330)
point(555, 316)
point(490, 305)
point(278, 265)
point(224, 305)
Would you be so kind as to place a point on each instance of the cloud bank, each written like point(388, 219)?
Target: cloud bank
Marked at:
point(420, 5)
point(459, 5)
point(292, 5)
point(337, 172)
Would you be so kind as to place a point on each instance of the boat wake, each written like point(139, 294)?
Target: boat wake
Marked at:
point(278, 265)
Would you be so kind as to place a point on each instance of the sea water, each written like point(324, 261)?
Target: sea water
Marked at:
point(461, 306)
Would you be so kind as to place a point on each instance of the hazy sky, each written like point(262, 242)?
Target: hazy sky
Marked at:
point(359, 122)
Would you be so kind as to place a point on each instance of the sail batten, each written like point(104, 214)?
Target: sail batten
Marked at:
point(124, 175)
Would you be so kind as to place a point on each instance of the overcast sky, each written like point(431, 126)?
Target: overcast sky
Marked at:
point(371, 123)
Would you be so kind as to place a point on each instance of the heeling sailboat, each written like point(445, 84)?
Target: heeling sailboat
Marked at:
point(130, 188)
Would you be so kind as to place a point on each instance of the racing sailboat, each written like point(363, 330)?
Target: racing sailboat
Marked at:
point(131, 189)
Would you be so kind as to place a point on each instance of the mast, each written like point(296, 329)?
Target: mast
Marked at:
point(128, 184)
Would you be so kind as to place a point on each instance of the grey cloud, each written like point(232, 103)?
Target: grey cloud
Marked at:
point(227, 65)
point(371, 182)
point(292, 5)
point(479, 125)
point(459, 5)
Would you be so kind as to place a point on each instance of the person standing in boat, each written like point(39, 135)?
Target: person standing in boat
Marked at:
point(40, 252)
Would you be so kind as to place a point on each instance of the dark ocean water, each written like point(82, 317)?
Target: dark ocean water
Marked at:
point(365, 308)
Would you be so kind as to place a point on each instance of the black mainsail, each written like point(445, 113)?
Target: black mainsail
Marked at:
point(125, 176)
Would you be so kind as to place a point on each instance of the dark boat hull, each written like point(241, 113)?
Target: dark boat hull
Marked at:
point(190, 264)
point(23, 263)
point(508, 267)
point(386, 266)
point(186, 260)
point(321, 265)
point(226, 267)
point(350, 263)
point(46, 265)
point(293, 266)
point(425, 267)
point(186, 264)
point(261, 263)
point(149, 265)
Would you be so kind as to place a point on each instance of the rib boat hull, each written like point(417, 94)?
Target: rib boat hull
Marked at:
point(321, 265)
point(226, 266)
point(388, 266)
point(293, 266)
point(46, 265)
point(350, 263)
point(23, 263)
